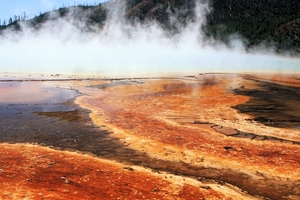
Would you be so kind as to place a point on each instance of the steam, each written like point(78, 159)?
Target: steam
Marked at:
point(120, 48)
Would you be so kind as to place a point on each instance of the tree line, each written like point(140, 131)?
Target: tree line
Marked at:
point(24, 16)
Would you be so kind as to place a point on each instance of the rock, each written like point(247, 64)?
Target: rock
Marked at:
point(205, 187)
point(200, 122)
point(258, 137)
point(128, 168)
point(226, 130)
point(229, 148)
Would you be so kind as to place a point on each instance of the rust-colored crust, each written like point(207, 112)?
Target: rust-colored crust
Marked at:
point(34, 172)
point(186, 126)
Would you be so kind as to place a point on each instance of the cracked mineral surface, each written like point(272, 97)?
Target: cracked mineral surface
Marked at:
point(207, 136)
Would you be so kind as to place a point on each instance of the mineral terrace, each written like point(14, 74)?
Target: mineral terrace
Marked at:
point(204, 136)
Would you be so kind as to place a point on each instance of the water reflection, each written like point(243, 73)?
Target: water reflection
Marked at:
point(33, 93)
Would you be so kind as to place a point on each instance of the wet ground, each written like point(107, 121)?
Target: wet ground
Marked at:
point(183, 97)
point(272, 104)
point(49, 117)
point(45, 114)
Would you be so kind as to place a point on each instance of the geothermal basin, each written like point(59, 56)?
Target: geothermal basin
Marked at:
point(200, 136)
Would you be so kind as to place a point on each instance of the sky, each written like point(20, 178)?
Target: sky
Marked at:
point(34, 7)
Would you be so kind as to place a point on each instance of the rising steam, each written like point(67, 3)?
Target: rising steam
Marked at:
point(119, 48)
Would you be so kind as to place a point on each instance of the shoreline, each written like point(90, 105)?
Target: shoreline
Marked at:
point(152, 126)
point(143, 143)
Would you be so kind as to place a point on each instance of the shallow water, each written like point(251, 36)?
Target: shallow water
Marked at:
point(272, 104)
point(20, 92)
point(46, 120)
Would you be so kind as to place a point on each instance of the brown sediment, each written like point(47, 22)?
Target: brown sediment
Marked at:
point(34, 172)
point(25, 173)
point(185, 127)
point(157, 117)
point(70, 116)
point(274, 101)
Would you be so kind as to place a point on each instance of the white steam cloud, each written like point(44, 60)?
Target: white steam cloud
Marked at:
point(122, 49)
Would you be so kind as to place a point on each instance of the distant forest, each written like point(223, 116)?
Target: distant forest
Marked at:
point(259, 23)
point(273, 23)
